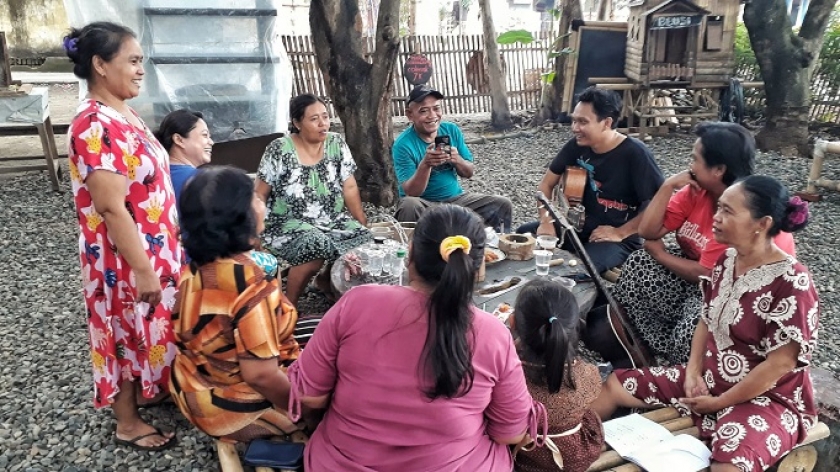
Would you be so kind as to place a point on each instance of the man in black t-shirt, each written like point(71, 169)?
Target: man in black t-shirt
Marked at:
point(622, 179)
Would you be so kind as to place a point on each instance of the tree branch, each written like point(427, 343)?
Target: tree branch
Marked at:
point(815, 22)
point(387, 42)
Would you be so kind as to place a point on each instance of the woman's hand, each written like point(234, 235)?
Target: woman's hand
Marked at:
point(704, 404)
point(148, 287)
point(694, 385)
point(680, 180)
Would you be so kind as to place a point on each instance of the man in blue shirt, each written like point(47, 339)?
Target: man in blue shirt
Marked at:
point(427, 174)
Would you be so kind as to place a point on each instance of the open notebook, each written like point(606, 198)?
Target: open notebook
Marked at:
point(652, 447)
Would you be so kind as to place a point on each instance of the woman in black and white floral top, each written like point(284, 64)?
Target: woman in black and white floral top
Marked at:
point(315, 212)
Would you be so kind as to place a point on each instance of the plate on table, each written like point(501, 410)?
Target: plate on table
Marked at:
point(493, 255)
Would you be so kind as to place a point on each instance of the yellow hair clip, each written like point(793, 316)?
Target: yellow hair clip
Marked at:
point(451, 243)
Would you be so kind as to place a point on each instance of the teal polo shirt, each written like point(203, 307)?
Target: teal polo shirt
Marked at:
point(408, 152)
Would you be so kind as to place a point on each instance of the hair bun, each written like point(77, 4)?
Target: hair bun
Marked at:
point(71, 44)
point(796, 215)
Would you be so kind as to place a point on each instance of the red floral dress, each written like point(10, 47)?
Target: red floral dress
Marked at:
point(128, 340)
point(748, 318)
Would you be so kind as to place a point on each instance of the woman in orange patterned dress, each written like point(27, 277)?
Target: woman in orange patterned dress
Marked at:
point(129, 252)
point(233, 324)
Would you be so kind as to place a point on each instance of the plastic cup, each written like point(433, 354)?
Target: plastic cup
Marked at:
point(547, 242)
point(376, 258)
point(383, 231)
point(542, 258)
point(364, 259)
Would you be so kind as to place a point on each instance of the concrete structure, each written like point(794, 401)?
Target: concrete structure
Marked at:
point(33, 27)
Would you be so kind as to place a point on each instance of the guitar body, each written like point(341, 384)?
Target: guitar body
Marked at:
point(574, 183)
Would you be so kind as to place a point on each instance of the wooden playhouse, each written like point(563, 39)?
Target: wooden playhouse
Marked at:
point(681, 42)
point(664, 47)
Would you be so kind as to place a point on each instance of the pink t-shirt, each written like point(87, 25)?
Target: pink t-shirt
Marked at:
point(367, 353)
point(690, 214)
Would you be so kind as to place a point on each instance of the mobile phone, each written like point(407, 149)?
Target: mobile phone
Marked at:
point(442, 143)
point(579, 277)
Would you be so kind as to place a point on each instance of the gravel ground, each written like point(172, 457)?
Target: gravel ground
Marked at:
point(47, 421)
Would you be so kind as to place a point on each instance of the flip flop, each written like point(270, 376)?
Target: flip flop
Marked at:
point(132, 443)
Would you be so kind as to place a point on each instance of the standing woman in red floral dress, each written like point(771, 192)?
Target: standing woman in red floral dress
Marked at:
point(129, 252)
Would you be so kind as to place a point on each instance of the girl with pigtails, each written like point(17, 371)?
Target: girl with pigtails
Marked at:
point(547, 321)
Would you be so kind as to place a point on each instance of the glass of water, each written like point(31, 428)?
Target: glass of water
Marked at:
point(376, 258)
point(542, 258)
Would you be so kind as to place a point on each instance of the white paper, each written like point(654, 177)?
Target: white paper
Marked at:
point(628, 433)
point(683, 453)
point(652, 447)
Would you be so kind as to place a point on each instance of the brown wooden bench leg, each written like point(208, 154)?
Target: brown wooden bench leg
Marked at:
point(45, 132)
point(228, 457)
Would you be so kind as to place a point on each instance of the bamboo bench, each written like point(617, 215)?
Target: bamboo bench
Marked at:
point(229, 457)
point(803, 458)
point(815, 179)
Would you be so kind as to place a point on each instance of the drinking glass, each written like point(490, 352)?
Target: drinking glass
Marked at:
point(547, 242)
point(542, 258)
point(375, 262)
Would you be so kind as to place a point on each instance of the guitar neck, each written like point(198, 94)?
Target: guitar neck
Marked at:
point(561, 223)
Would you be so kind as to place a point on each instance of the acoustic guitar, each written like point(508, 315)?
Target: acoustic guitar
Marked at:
point(574, 183)
point(624, 333)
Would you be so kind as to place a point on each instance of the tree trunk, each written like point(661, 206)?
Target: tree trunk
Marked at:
point(500, 116)
point(552, 94)
point(605, 10)
point(361, 91)
point(412, 15)
point(786, 60)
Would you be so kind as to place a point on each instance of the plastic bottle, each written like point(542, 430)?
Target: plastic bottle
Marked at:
point(400, 258)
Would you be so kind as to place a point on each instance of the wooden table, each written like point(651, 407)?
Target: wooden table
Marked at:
point(33, 108)
point(585, 292)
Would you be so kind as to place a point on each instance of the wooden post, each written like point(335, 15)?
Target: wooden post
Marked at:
point(228, 457)
point(5, 64)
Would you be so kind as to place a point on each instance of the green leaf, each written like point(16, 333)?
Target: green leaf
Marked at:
point(313, 180)
point(515, 36)
point(548, 77)
point(281, 207)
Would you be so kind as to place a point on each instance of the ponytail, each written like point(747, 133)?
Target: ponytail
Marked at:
point(449, 353)
point(547, 320)
point(560, 352)
point(447, 250)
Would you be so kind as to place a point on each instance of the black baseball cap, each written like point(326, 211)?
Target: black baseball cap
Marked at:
point(422, 91)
